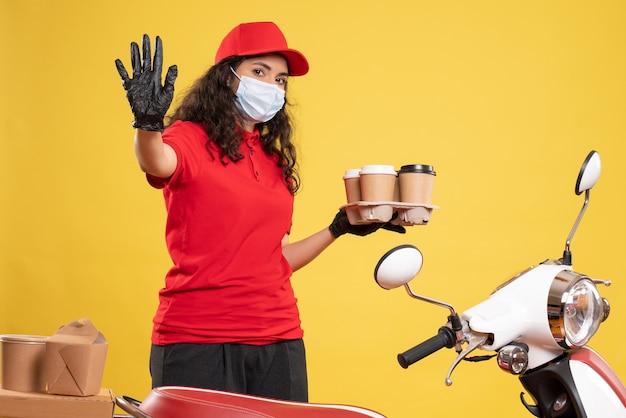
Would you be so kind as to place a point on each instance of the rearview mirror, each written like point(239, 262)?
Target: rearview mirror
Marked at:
point(398, 266)
point(589, 172)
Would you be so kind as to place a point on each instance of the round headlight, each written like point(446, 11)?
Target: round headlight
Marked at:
point(575, 309)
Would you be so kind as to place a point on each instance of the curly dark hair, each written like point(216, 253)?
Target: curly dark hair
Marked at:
point(211, 102)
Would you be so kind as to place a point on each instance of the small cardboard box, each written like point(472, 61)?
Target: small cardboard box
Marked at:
point(75, 358)
point(41, 405)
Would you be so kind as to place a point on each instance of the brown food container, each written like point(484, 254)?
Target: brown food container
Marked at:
point(75, 357)
point(23, 359)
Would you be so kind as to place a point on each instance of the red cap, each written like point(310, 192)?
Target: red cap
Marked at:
point(258, 38)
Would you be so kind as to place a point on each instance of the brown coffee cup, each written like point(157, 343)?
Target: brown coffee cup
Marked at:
point(353, 185)
point(416, 182)
point(378, 183)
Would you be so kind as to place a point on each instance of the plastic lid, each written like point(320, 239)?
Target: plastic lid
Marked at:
point(418, 168)
point(23, 339)
point(378, 169)
point(352, 173)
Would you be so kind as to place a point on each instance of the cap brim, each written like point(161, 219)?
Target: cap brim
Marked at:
point(298, 64)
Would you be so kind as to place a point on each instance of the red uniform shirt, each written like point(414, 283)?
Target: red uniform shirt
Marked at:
point(230, 281)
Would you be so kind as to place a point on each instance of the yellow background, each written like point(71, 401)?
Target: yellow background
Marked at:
point(503, 98)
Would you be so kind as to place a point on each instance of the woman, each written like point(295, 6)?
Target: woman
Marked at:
point(227, 316)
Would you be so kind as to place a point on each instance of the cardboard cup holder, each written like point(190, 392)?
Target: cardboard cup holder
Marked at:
point(409, 214)
point(376, 192)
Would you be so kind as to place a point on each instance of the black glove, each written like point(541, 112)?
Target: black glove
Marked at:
point(341, 225)
point(148, 100)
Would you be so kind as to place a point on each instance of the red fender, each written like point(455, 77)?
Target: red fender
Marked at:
point(176, 402)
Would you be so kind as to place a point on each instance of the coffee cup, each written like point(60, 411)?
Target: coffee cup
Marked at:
point(377, 183)
point(353, 186)
point(416, 182)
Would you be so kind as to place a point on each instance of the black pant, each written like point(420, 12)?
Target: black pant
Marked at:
point(274, 371)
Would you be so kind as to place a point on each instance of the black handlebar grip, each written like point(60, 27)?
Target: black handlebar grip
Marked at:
point(444, 338)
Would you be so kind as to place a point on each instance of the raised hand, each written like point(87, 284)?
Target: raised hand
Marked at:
point(149, 100)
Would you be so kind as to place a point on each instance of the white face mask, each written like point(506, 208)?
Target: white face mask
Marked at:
point(258, 101)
